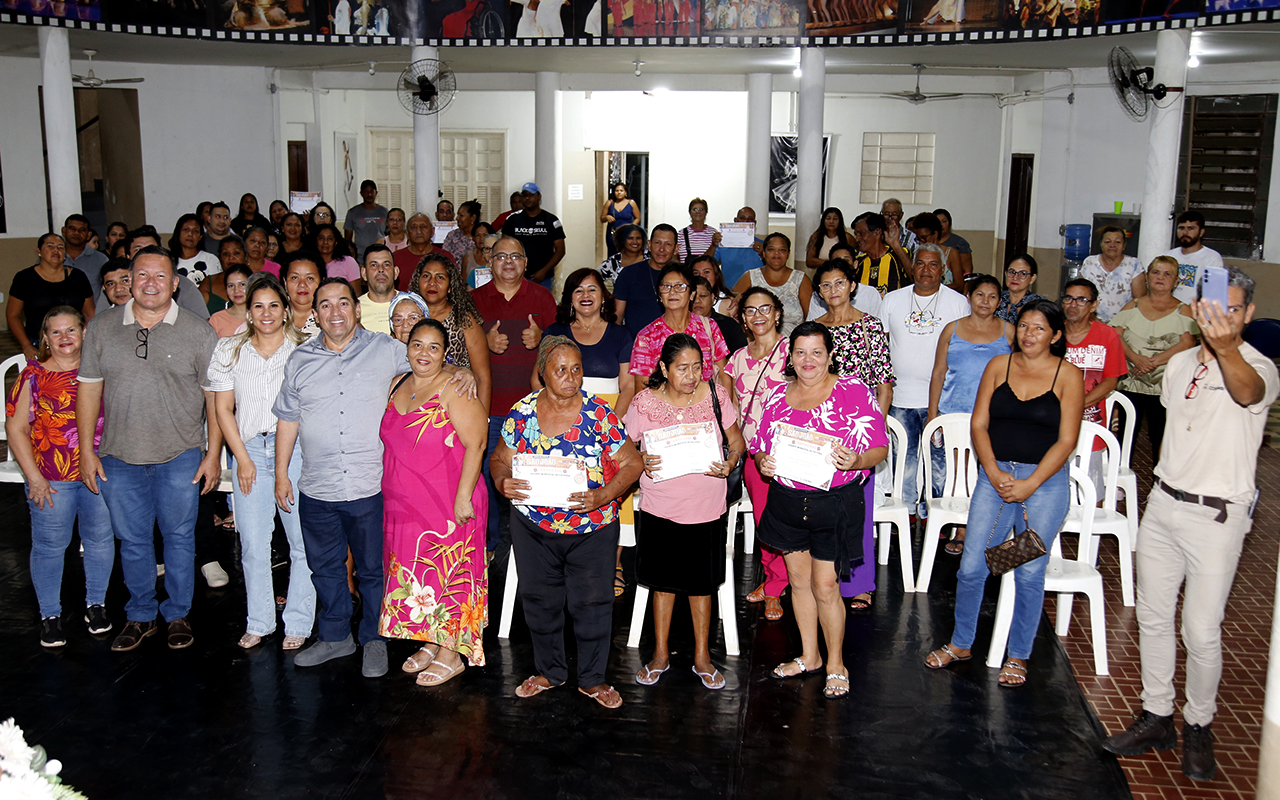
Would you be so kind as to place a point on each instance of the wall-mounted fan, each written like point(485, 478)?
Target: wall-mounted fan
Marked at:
point(92, 81)
point(427, 86)
point(1133, 83)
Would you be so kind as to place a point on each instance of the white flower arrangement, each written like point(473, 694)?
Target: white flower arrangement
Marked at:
point(27, 773)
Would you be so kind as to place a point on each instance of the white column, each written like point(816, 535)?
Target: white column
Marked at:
point(426, 151)
point(60, 124)
point(1162, 145)
point(759, 126)
point(547, 139)
point(1269, 752)
point(813, 82)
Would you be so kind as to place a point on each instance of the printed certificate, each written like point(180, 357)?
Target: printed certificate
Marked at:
point(802, 455)
point(483, 276)
point(442, 230)
point(737, 234)
point(687, 449)
point(551, 478)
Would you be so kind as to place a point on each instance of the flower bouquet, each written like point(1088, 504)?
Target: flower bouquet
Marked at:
point(27, 773)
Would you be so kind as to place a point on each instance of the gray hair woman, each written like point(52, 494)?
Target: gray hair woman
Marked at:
point(407, 309)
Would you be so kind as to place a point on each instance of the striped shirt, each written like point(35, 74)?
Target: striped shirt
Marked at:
point(254, 379)
point(692, 243)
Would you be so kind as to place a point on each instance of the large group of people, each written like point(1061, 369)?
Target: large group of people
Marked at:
point(406, 407)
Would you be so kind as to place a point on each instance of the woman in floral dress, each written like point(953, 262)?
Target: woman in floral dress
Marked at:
point(435, 515)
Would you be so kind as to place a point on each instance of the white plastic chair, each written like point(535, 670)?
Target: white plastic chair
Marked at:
point(725, 598)
point(960, 478)
point(1128, 479)
point(1066, 579)
point(893, 512)
point(10, 472)
point(744, 509)
point(1106, 520)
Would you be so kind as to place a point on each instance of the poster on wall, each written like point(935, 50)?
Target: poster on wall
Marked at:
point(1029, 15)
point(654, 18)
point(178, 14)
point(841, 17)
point(345, 183)
point(263, 15)
point(76, 9)
point(477, 19)
point(953, 15)
point(1149, 10)
point(1222, 6)
point(753, 17)
point(783, 170)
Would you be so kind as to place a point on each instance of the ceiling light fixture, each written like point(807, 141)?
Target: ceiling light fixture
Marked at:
point(1193, 61)
point(373, 65)
point(638, 64)
point(797, 71)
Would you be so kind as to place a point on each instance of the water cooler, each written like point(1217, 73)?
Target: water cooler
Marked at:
point(1075, 249)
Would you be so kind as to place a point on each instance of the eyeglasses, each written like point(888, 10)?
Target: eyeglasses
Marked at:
point(1194, 387)
point(832, 286)
point(1072, 299)
point(141, 351)
point(507, 258)
point(486, 250)
point(1021, 274)
point(893, 216)
point(676, 288)
point(758, 311)
point(406, 319)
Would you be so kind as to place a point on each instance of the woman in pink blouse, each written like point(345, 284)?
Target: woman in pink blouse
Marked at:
point(681, 535)
point(41, 426)
point(818, 529)
point(756, 370)
point(675, 290)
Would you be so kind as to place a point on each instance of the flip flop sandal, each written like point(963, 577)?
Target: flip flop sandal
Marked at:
point(607, 697)
point(1012, 669)
point(712, 679)
point(619, 582)
point(530, 687)
point(951, 655)
point(953, 548)
point(429, 678)
point(420, 660)
point(757, 595)
point(780, 675)
point(648, 677)
point(251, 640)
point(293, 642)
point(834, 690)
point(773, 608)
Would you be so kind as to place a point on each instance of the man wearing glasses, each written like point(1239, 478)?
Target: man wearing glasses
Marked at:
point(901, 240)
point(515, 311)
point(879, 265)
point(1095, 348)
point(147, 362)
point(1199, 512)
point(76, 235)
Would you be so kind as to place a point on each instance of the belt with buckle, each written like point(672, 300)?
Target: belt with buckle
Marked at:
point(1203, 500)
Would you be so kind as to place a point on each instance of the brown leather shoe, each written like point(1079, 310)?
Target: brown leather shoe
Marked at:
point(133, 634)
point(180, 635)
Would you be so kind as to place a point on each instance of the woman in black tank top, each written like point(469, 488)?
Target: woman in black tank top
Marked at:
point(1025, 425)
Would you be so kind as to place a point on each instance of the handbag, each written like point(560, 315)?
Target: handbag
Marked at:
point(1012, 553)
point(734, 493)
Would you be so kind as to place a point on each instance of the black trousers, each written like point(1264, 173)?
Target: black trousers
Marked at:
point(1149, 407)
point(556, 569)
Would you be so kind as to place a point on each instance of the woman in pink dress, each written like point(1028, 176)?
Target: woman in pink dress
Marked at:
point(435, 511)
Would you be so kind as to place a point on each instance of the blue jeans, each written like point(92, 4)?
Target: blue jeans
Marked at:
point(51, 534)
point(913, 421)
point(255, 520)
point(990, 522)
point(499, 506)
point(139, 496)
point(328, 529)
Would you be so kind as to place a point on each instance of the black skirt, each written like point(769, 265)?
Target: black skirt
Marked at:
point(829, 525)
point(678, 557)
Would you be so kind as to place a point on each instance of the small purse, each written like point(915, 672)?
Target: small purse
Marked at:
point(1013, 553)
point(734, 489)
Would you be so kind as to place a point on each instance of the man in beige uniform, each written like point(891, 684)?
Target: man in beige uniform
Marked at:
point(1200, 509)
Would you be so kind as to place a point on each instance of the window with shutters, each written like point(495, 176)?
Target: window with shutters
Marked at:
point(1225, 168)
point(897, 165)
point(472, 167)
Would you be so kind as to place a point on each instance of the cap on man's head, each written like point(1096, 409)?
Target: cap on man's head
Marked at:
point(531, 188)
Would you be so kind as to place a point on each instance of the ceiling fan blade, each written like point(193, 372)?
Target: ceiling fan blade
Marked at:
point(124, 80)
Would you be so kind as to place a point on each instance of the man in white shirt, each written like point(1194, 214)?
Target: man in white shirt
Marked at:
point(379, 274)
point(915, 316)
point(1192, 256)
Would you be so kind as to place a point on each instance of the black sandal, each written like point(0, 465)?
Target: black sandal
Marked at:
point(619, 582)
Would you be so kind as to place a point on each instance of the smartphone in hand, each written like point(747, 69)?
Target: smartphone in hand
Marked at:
point(1213, 286)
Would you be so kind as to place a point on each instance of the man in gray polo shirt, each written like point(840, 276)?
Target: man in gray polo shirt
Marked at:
point(334, 391)
point(147, 363)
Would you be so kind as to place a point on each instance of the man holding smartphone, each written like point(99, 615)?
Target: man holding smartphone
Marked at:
point(1200, 509)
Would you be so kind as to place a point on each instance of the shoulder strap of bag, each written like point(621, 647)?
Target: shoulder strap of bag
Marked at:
point(399, 383)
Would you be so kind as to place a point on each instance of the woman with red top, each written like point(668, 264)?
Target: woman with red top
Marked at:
point(41, 426)
point(675, 290)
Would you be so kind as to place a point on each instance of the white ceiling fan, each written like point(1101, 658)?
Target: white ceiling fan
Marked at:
point(917, 97)
point(92, 81)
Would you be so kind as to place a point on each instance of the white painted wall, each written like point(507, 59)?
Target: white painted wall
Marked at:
point(26, 210)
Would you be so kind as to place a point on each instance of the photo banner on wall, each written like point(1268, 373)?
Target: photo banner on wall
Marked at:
point(841, 17)
point(937, 16)
point(654, 18)
point(753, 17)
point(784, 171)
point(264, 15)
point(474, 20)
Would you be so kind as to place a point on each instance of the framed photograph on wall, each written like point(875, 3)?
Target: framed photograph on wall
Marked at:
point(346, 185)
point(783, 154)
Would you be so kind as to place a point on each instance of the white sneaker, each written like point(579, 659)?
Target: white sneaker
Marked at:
point(215, 575)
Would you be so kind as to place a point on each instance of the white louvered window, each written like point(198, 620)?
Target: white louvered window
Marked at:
point(897, 165)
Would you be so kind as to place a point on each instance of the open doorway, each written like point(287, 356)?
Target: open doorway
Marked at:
point(619, 166)
point(109, 141)
point(1018, 222)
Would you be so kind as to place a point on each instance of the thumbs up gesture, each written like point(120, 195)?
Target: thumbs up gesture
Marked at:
point(531, 335)
point(497, 341)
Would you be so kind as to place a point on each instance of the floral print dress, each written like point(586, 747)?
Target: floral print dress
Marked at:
point(436, 579)
point(862, 350)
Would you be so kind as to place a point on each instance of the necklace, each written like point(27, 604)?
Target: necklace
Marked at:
point(922, 320)
point(666, 393)
point(585, 327)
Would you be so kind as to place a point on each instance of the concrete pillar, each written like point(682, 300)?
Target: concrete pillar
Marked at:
point(1269, 751)
point(1162, 146)
point(813, 82)
point(759, 126)
point(59, 124)
point(426, 151)
point(547, 145)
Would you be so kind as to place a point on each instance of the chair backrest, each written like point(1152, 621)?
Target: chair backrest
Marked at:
point(1125, 419)
point(1111, 470)
point(15, 363)
point(961, 474)
point(1082, 491)
point(895, 462)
